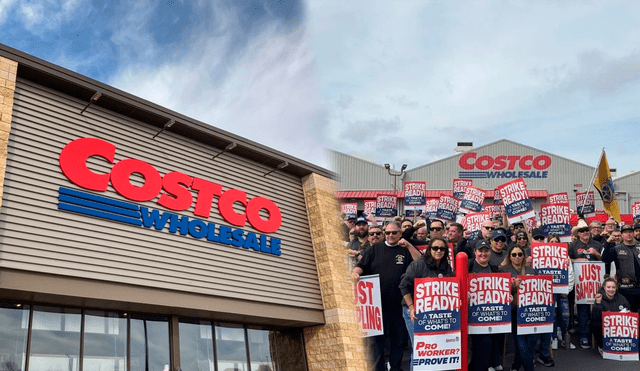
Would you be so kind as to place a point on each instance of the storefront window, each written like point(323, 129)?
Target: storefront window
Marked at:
point(196, 346)
point(14, 326)
point(112, 341)
point(261, 350)
point(149, 344)
point(55, 339)
point(231, 348)
point(105, 341)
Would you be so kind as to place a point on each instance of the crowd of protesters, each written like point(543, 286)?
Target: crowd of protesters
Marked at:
point(403, 250)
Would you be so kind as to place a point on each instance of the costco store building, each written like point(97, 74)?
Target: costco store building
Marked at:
point(488, 166)
point(135, 238)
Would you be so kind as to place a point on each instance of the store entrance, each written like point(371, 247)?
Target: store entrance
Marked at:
point(45, 338)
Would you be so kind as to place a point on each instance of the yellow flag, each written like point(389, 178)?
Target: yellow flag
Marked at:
point(604, 185)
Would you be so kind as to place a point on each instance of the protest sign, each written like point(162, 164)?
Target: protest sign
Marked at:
point(496, 197)
point(489, 303)
point(555, 220)
point(386, 206)
point(350, 210)
point(369, 305)
point(535, 305)
point(558, 198)
point(437, 334)
point(531, 223)
point(473, 223)
point(369, 207)
point(447, 208)
point(415, 193)
point(460, 186)
point(432, 208)
point(589, 277)
point(585, 203)
point(552, 259)
point(620, 336)
point(516, 200)
point(635, 211)
point(494, 210)
point(472, 200)
point(413, 211)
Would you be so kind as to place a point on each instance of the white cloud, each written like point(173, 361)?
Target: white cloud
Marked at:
point(6, 7)
point(264, 90)
point(39, 17)
point(476, 71)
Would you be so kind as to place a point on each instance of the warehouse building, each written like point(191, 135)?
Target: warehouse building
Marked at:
point(135, 238)
point(488, 166)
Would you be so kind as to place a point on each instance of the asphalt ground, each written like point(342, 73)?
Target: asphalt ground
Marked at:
point(565, 359)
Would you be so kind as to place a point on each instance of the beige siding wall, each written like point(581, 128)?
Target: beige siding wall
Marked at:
point(38, 237)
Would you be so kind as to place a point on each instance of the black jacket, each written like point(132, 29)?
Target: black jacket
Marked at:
point(423, 268)
point(616, 304)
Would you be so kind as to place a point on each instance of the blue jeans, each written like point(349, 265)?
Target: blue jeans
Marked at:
point(561, 320)
point(583, 321)
point(406, 314)
point(525, 345)
point(545, 344)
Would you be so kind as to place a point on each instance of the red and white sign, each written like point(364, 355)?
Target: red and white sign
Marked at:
point(471, 161)
point(350, 210)
point(589, 277)
point(620, 336)
point(369, 305)
point(173, 188)
point(370, 207)
point(472, 200)
point(553, 259)
point(559, 198)
point(460, 186)
point(473, 222)
point(516, 200)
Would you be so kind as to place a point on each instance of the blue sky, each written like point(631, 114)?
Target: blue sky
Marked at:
point(392, 84)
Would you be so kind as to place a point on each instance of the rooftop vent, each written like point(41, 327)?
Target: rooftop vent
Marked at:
point(464, 147)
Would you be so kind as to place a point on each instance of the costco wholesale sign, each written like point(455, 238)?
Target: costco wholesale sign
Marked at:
point(503, 166)
point(369, 305)
point(174, 191)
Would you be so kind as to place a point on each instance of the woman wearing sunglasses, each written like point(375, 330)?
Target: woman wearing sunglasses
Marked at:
point(433, 264)
point(525, 345)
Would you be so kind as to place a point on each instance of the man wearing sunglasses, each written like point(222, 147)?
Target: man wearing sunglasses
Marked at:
point(468, 247)
point(584, 248)
point(498, 243)
point(388, 259)
point(437, 229)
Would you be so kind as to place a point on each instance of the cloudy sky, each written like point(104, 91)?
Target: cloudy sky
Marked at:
point(392, 82)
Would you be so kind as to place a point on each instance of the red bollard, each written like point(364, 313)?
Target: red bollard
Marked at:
point(462, 262)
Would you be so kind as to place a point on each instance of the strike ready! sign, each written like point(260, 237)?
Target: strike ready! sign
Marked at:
point(174, 191)
point(503, 166)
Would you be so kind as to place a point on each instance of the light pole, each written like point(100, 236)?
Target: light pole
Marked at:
point(395, 174)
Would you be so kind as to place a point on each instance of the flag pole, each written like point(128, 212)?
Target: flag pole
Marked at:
point(591, 182)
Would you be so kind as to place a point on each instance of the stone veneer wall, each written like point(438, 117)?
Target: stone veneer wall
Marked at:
point(8, 70)
point(335, 345)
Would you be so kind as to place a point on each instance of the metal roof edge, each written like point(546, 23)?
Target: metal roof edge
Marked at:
point(50, 73)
